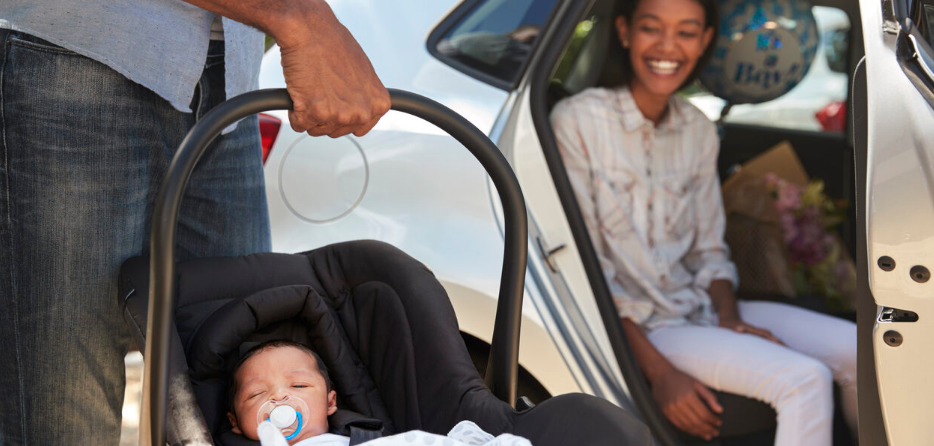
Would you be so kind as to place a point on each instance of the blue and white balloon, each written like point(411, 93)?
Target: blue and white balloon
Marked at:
point(764, 49)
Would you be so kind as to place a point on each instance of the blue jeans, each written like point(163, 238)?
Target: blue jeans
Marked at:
point(82, 153)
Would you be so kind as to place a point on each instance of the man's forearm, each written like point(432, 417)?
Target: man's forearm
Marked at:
point(650, 360)
point(283, 20)
point(724, 299)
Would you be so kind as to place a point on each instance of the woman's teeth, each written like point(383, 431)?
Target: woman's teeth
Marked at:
point(664, 67)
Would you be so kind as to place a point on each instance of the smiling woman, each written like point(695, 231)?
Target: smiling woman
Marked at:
point(642, 162)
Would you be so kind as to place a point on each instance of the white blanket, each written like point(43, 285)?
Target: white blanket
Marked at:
point(466, 433)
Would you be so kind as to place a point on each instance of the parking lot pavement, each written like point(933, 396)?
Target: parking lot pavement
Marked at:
point(134, 391)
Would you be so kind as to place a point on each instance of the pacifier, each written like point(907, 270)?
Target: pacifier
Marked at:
point(285, 414)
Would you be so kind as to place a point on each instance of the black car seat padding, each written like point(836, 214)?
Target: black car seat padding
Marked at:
point(395, 314)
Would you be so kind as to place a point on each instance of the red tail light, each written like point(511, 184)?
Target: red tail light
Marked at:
point(268, 130)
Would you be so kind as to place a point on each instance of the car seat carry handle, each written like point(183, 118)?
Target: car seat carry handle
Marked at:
point(502, 369)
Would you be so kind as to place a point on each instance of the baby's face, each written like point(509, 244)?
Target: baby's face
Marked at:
point(274, 374)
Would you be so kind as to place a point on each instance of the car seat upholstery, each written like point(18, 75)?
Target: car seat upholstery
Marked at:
point(380, 321)
point(595, 62)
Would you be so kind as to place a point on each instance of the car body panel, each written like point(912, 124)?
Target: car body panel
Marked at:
point(900, 209)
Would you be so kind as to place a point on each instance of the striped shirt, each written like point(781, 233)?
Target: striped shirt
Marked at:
point(650, 196)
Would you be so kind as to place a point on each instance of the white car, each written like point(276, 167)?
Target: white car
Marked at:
point(502, 64)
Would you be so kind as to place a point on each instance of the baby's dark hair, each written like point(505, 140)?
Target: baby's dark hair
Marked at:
point(277, 343)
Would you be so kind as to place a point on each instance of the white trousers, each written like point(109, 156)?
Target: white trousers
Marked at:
point(797, 380)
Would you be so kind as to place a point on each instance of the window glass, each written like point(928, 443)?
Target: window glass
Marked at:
point(929, 21)
point(496, 36)
point(818, 103)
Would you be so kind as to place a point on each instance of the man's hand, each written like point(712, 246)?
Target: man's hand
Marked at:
point(688, 404)
point(739, 326)
point(333, 86)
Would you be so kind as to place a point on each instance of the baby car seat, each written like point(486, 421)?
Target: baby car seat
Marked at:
point(379, 319)
point(381, 323)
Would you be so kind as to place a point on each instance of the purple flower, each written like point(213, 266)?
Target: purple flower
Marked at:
point(808, 243)
point(789, 197)
point(806, 217)
point(789, 229)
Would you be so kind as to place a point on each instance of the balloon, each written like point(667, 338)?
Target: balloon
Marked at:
point(764, 49)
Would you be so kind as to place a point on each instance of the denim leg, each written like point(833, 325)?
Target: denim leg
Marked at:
point(75, 175)
point(224, 212)
point(82, 153)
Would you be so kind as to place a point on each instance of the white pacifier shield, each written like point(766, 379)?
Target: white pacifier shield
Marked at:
point(282, 416)
point(286, 415)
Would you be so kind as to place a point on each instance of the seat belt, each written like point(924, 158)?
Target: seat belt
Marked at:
point(359, 428)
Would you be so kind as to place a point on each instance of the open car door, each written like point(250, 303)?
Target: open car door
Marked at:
point(894, 129)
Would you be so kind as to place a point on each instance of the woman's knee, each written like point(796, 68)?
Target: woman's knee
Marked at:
point(842, 360)
point(816, 372)
point(809, 379)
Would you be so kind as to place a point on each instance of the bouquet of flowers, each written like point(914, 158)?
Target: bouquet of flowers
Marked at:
point(820, 264)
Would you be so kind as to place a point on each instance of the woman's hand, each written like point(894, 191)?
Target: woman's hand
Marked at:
point(688, 404)
point(739, 326)
point(721, 293)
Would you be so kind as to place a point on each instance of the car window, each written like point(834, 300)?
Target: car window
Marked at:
point(928, 17)
point(817, 103)
point(495, 37)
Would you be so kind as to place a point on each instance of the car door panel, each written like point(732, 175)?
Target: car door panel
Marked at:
point(899, 203)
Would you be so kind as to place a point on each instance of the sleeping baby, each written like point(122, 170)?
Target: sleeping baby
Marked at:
point(280, 394)
point(287, 384)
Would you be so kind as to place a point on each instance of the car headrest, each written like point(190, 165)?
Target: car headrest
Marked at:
point(600, 59)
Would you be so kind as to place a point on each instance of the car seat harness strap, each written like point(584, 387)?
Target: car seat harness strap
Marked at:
point(360, 434)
